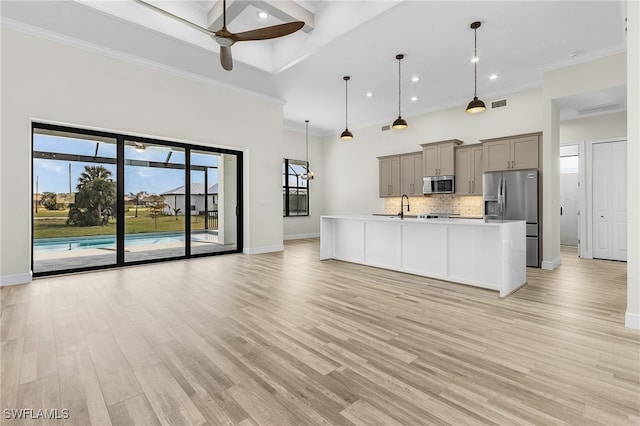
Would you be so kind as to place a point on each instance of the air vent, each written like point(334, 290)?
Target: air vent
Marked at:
point(386, 127)
point(598, 108)
point(499, 104)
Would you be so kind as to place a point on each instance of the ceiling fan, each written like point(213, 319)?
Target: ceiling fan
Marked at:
point(226, 39)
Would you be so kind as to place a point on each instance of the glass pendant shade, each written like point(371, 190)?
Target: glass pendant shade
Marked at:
point(476, 105)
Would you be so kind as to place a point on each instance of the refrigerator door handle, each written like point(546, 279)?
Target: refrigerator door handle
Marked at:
point(500, 197)
point(504, 197)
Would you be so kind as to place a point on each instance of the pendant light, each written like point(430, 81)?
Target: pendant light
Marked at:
point(346, 135)
point(399, 123)
point(309, 175)
point(476, 105)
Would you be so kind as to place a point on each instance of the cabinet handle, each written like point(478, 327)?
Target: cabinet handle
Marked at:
point(469, 186)
point(388, 189)
point(411, 188)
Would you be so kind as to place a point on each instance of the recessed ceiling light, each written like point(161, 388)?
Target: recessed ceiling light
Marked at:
point(474, 59)
point(415, 78)
point(414, 98)
point(263, 15)
point(493, 77)
point(369, 94)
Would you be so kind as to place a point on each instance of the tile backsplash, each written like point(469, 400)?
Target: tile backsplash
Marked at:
point(466, 205)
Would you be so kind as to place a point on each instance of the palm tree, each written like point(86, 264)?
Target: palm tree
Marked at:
point(95, 199)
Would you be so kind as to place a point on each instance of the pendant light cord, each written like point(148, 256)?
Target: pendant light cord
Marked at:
point(475, 63)
point(399, 87)
point(307, 139)
point(346, 103)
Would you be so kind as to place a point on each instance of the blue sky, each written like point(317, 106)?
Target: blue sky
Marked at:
point(53, 175)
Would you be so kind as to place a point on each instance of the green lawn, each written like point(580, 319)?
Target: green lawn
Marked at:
point(54, 226)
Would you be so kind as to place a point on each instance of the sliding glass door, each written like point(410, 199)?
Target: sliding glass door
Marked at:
point(154, 213)
point(213, 202)
point(74, 201)
point(102, 200)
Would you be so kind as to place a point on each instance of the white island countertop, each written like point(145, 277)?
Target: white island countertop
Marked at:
point(467, 251)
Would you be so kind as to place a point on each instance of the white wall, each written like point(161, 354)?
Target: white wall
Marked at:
point(295, 149)
point(583, 132)
point(594, 128)
point(632, 318)
point(583, 78)
point(352, 185)
point(44, 80)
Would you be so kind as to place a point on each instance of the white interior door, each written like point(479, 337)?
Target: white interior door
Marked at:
point(610, 200)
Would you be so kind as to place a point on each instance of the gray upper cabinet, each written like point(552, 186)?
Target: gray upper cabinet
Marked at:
point(389, 176)
point(511, 153)
point(438, 158)
point(469, 169)
point(411, 174)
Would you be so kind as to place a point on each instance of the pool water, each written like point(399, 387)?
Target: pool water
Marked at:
point(106, 242)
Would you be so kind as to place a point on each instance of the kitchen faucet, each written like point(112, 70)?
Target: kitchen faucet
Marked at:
point(401, 214)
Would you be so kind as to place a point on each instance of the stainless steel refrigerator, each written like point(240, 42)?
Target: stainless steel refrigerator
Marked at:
point(513, 195)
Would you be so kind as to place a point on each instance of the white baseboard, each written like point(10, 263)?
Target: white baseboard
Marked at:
point(551, 265)
point(301, 236)
point(260, 250)
point(15, 279)
point(632, 321)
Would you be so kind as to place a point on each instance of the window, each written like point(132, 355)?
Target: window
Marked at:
point(569, 164)
point(295, 188)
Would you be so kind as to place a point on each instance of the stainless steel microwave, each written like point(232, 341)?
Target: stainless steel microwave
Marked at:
point(438, 185)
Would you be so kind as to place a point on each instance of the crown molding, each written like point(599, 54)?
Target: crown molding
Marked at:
point(21, 27)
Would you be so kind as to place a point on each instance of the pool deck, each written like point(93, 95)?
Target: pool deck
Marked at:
point(87, 258)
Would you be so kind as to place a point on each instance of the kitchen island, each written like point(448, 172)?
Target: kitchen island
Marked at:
point(465, 251)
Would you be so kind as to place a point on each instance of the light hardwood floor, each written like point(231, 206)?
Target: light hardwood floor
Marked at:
point(283, 338)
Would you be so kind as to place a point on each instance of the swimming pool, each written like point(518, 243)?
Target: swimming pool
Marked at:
point(106, 242)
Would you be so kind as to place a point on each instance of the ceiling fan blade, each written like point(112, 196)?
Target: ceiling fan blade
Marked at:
point(266, 33)
point(176, 17)
point(225, 58)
